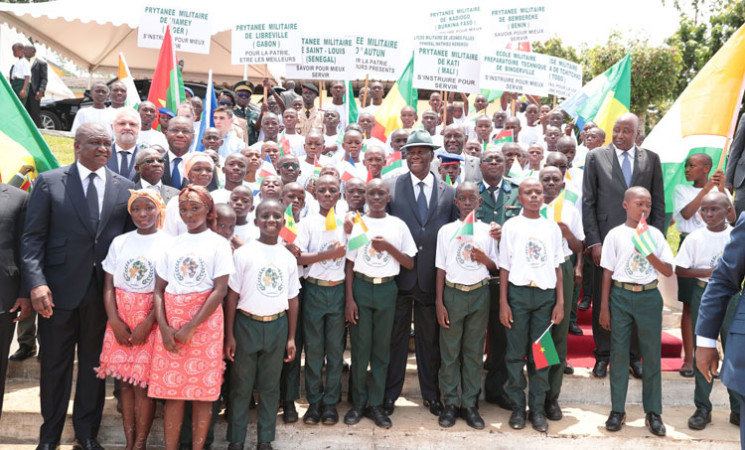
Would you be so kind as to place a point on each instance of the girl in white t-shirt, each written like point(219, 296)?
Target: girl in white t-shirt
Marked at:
point(129, 283)
point(192, 279)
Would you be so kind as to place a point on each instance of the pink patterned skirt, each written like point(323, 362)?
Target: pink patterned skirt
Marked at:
point(195, 371)
point(129, 364)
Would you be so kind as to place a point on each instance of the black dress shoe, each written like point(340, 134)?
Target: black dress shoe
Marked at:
point(552, 409)
point(354, 415)
point(686, 373)
point(313, 415)
point(538, 419)
point(568, 370)
point(653, 421)
point(636, 369)
point(86, 444)
point(329, 415)
point(235, 446)
point(734, 418)
point(584, 304)
point(502, 401)
point(389, 405)
point(378, 416)
point(699, 419)
point(472, 417)
point(615, 421)
point(23, 352)
point(264, 446)
point(575, 329)
point(448, 416)
point(517, 419)
point(48, 446)
point(435, 407)
point(289, 413)
point(601, 369)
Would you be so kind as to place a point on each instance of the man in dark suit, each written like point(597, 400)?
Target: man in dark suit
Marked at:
point(126, 128)
point(149, 165)
point(73, 215)
point(425, 203)
point(609, 171)
point(38, 84)
point(735, 175)
point(725, 281)
point(179, 135)
point(13, 294)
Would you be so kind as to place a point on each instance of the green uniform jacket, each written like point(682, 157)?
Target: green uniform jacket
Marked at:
point(506, 207)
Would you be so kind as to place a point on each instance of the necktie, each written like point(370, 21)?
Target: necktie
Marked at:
point(307, 114)
point(124, 164)
point(176, 174)
point(626, 168)
point(492, 190)
point(92, 197)
point(421, 203)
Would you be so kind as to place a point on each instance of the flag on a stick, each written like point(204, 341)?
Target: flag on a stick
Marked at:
point(403, 93)
point(359, 236)
point(544, 351)
point(642, 238)
point(124, 75)
point(466, 227)
point(167, 86)
point(288, 233)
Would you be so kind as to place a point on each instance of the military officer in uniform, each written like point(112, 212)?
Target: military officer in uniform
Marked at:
point(245, 112)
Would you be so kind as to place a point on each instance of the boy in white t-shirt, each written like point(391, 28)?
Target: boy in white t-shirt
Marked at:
point(260, 320)
point(322, 247)
point(242, 201)
point(465, 259)
point(530, 255)
point(686, 205)
point(697, 258)
point(371, 302)
point(629, 297)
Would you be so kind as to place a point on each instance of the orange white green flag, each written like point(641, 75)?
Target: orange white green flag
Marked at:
point(359, 236)
point(125, 76)
point(703, 118)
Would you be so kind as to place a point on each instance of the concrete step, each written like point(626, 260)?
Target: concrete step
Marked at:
point(413, 428)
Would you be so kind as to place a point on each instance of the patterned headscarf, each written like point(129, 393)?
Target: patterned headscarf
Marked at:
point(195, 157)
point(154, 197)
point(200, 194)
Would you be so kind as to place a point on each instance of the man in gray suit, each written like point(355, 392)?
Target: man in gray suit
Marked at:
point(149, 164)
point(425, 203)
point(735, 175)
point(13, 294)
point(609, 171)
point(454, 140)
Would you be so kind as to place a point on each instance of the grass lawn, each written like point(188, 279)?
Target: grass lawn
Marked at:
point(61, 148)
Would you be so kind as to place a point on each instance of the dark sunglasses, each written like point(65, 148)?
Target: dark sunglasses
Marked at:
point(243, 95)
point(290, 166)
point(492, 160)
point(151, 161)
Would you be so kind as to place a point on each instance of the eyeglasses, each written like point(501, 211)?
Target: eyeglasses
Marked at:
point(226, 104)
point(151, 161)
point(243, 95)
point(290, 166)
point(492, 160)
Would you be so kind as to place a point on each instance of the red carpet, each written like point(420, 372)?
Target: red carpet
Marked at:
point(580, 347)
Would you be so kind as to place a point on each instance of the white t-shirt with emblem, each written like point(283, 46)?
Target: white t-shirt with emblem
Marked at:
point(569, 216)
point(312, 237)
point(192, 261)
point(372, 263)
point(702, 249)
point(265, 278)
point(531, 250)
point(454, 255)
point(627, 264)
point(131, 260)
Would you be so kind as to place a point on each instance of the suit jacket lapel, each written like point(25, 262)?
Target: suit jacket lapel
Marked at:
point(486, 198)
point(639, 166)
point(437, 188)
point(408, 192)
point(109, 198)
point(74, 189)
point(616, 167)
point(500, 198)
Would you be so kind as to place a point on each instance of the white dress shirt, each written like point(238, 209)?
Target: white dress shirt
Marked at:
point(632, 156)
point(130, 151)
point(99, 182)
point(429, 182)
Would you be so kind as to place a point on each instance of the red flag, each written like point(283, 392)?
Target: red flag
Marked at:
point(369, 176)
point(167, 86)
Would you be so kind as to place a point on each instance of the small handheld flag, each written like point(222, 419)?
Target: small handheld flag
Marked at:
point(316, 167)
point(642, 238)
point(359, 236)
point(544, 351)
point(392, 162)
point(266, 169)
point(284, 145)
point(516, 171)
point(466, 229)
point(369, 176)
point(448, 180)
point(289, 231)
point(503, 137)
point(330, 220)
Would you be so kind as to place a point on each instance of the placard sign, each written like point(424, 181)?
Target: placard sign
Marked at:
point(325, 58)
point(447, 62)
point(564, 77)
point(191, 28)
point(377, 57)
point(515, 71)
point(261, 43)
point(465, 19)
point(528, 22)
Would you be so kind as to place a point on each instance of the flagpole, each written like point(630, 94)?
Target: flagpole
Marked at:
point(444, 112)
point(320, 95)
point(364, 96)
point(176, 96)
point(544, 333)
